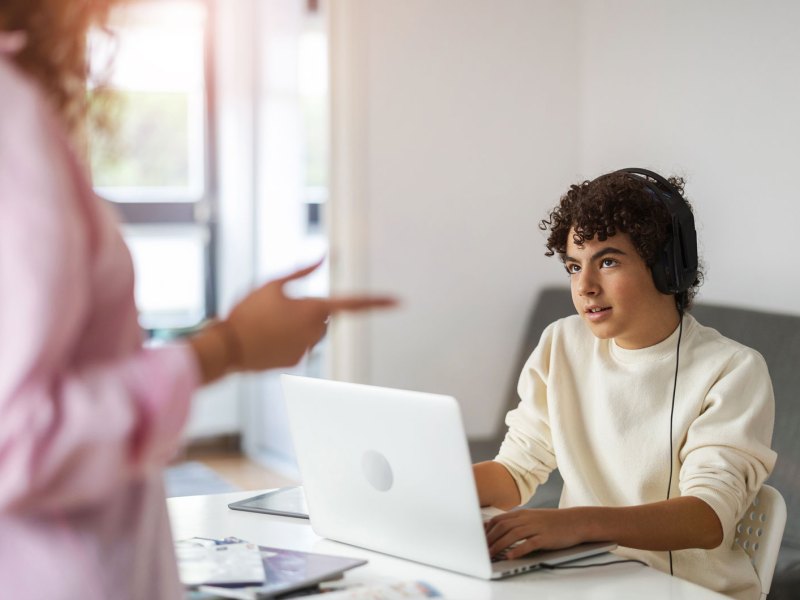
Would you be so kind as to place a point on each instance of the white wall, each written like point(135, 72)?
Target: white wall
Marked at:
point(709, 90)
point(464, 121)
point(464, 116)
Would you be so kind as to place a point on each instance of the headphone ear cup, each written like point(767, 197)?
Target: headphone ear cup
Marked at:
point(662, 269)
point(685, 254)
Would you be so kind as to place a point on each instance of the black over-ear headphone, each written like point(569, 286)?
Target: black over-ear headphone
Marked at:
point(676, 269)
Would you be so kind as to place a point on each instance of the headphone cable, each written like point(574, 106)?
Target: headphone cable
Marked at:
point(672, 412)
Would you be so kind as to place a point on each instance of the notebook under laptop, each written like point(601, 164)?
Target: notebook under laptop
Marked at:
point(389, 470)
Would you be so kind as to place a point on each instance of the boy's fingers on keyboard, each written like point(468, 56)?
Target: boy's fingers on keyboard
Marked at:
point(500, 526)
point(524, 547)
point(509, 540)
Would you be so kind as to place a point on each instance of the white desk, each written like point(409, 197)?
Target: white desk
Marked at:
point(209, 516)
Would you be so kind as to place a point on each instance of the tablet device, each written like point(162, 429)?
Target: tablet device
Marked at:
point(285, 502)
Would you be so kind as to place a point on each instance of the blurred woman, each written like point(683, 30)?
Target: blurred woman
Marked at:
point(88, 417)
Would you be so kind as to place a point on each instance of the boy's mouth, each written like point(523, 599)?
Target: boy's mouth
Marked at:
point(595, 313)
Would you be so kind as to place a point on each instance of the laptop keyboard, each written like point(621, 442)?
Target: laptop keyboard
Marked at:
point(499, 557)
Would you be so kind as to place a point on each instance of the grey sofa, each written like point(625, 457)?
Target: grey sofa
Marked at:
point(777, 338)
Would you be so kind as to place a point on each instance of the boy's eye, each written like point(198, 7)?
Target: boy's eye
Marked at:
point(572, 268)
point(609, 262)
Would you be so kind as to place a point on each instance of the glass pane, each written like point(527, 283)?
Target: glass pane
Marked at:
point(313, 91)
point(169, 262)
point(312, 82)
point(156, 102)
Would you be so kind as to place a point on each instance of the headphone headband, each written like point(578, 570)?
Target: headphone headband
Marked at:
point(675, 270)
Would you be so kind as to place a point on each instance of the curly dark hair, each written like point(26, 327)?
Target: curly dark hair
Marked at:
point(615, 203)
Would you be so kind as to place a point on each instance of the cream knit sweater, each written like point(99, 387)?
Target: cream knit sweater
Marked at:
point(601, 415)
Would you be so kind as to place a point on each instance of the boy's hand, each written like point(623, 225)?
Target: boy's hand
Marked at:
point(534, 529)
point(675, 524)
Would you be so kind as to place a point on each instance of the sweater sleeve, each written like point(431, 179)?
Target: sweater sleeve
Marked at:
point(71, 430)
point(726, 456)
point(527, 450)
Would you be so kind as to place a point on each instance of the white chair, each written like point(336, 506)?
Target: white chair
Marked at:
point(760, 531)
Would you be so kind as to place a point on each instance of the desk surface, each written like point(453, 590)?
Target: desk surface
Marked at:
point(209, 516)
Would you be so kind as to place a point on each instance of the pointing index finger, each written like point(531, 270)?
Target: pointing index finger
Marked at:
point(356, 303)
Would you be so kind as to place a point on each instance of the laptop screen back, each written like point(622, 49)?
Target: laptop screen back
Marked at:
point(388, 470)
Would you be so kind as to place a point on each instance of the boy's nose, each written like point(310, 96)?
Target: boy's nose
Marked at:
point(587, 284)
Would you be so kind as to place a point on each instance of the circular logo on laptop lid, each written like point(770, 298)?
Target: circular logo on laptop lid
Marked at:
point(377, 470)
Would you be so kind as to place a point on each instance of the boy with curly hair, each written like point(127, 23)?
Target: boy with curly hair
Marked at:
point(603, 387)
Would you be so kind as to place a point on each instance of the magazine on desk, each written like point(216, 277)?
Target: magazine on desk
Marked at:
point(234, 568)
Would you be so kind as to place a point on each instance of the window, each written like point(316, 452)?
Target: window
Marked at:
point(154, 165)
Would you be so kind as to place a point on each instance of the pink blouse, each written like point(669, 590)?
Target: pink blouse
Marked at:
point(88, 417)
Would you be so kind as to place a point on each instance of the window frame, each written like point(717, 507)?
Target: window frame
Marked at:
point(202, 212)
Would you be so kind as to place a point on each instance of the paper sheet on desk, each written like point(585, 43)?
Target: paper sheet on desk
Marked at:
point(204, 561)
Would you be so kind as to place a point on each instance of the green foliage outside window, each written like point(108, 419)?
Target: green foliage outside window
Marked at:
point(148, 143)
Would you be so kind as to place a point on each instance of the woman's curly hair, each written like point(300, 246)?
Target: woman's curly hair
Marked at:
point(611, 204)
point(55, 53)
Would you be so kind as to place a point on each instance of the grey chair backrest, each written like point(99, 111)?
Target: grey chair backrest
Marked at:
point(775, 336)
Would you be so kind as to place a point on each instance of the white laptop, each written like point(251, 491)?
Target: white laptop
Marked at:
point(389, 470)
